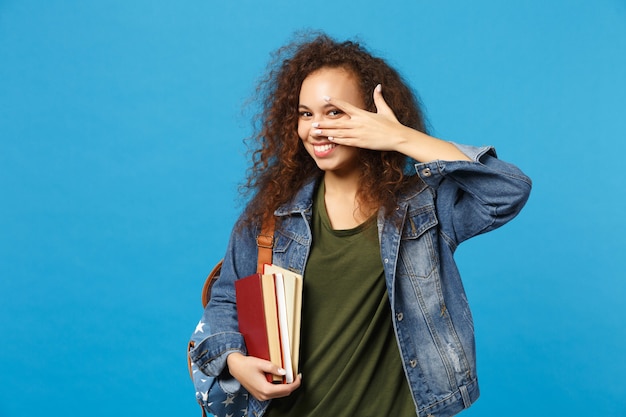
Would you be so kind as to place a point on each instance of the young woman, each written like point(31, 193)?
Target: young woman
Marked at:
point(369, 209)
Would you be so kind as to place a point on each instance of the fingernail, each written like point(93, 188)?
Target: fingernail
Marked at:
point(379, 88)
point(318, 131)
point(326, 98)
point(281, 371)
point(330, 138)
point(315, 124)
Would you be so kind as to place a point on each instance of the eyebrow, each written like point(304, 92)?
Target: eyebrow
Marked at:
point(304, 106)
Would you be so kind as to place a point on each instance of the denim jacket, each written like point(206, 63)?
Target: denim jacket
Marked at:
point(455, 201)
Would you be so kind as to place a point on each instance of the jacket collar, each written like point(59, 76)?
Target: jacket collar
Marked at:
point(303, 200)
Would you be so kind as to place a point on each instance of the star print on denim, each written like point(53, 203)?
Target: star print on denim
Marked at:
point(209, 393)
point(199, 327)
point(229, 400)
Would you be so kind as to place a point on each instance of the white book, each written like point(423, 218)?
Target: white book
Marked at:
point(293, 290)
point(283, 326)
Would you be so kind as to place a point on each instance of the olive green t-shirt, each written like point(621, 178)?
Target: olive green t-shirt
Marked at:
point(349, 358)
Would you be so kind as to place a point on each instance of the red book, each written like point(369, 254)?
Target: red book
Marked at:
point(253, 320)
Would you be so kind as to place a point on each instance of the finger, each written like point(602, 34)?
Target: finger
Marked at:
point(270, 368)
point(348, 108)
point(343, 123)
point(340, 137)
point(353, 142)
point(286, 389)
point(329, 131)
point(379, 101)
point(297, 381)
point(279, 390)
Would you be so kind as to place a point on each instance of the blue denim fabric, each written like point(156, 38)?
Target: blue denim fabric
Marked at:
point(455, 201)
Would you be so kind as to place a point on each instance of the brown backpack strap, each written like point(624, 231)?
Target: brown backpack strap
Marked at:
point(209, 281)
point(265, 243)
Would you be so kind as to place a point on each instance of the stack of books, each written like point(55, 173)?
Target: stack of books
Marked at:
point(269, 309)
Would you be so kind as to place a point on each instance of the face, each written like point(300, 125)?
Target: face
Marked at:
point(336, 83)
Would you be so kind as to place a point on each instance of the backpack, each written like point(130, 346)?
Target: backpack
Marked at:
point(209, 394)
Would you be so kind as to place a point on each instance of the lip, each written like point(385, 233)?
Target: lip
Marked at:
point(323, 149)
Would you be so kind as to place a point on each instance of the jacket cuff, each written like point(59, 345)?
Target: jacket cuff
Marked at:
point(475, 152)
point(432, 172)
point(213, 361)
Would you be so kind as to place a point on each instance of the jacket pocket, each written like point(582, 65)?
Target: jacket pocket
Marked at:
point(418, 247)
point(290, 250)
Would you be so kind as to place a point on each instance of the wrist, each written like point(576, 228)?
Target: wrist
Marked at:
point(408, 142)
point(233, 358)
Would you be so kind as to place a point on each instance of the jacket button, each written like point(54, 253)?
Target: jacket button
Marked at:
point(413, 363)
point(426, 172)
point(399, 316)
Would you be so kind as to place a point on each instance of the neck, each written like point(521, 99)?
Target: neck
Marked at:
point(344, 209)
point(345, 185)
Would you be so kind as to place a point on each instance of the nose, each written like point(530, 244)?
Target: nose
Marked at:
point(314, 130)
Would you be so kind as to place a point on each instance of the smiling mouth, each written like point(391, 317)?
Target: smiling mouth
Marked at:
point(324, 148)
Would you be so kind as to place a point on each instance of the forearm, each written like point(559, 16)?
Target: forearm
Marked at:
point(425, 148)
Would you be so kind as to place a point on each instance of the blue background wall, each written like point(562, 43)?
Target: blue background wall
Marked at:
point(121, 148)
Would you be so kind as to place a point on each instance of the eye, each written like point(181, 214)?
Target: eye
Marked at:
point(335, 113)
point(305, 114)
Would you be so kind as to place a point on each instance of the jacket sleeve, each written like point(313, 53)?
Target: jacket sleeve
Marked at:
point(217, 333)
point(476, 196)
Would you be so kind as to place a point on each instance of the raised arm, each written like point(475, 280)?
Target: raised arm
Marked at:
point(382, 131)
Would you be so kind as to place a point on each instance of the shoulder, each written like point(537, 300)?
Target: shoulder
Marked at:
point(302, 200)
point(416, 192)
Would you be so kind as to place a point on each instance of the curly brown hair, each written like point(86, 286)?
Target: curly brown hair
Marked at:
point(280, 165)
